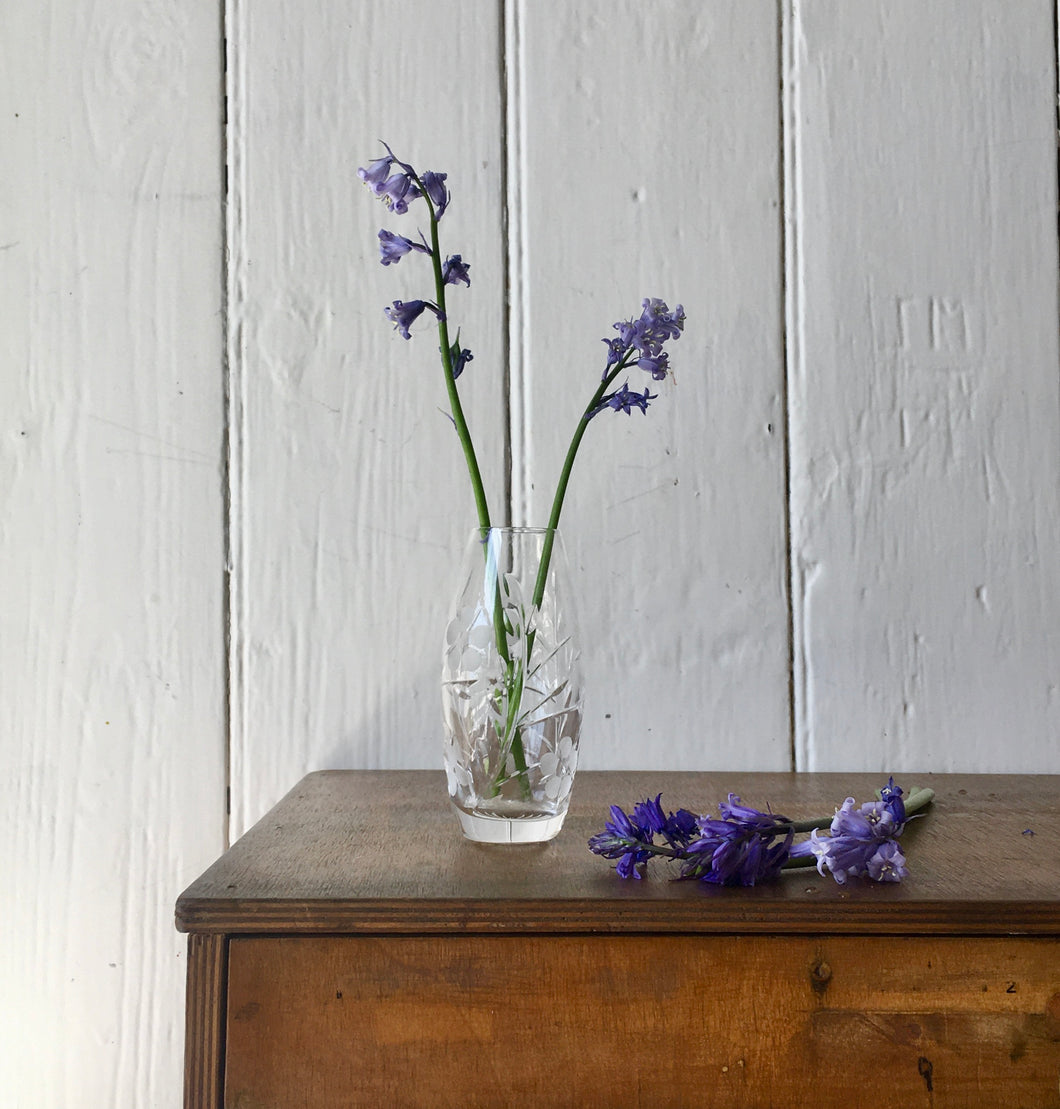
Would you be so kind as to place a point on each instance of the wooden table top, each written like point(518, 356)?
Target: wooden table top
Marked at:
point(381, 852)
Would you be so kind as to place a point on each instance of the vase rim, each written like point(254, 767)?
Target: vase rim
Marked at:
point(517, 529)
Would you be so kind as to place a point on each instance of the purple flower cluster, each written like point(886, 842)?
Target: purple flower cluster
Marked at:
point(645, 336)
point(743, 846)
point(639, 343)
point(738, 849)
point(631, 839)
point(398, 190)
point(862, 842)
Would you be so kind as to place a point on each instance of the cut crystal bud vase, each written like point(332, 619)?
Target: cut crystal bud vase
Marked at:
point(511, 687)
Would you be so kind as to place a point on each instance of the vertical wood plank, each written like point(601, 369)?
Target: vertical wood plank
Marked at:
point(204, 1022)
point(652, 168)
point(925, 393)
point(351, 500)
point(111, 640)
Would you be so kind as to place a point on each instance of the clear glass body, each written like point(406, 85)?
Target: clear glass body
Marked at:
point(511, 687)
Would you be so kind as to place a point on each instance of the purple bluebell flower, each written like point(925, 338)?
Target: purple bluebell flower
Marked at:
point(682, 827)
point(678, 829)
point(376, 174)
point(657, 365)
point(738, 849)
point(744, 846)
point(625, 400)
point(392, 248)
point(627, 332)
point(655, 326)
point(459, 357)
point(397, 191)
point(615, 349)
point(455, 269)
point(624, 839)
point(646, 335)
point(403, 314)
point(437, 193)
point(891, 796)
point(887, 864)
point(658, 323)
point(856, 837)
point(649, 814)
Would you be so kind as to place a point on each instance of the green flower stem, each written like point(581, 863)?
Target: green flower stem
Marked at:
point(459, 419)
point(564, 478)
point(513, 679)
point(516, 680)
point(516, 674)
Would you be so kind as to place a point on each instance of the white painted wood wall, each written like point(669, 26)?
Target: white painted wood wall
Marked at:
point(231, 504)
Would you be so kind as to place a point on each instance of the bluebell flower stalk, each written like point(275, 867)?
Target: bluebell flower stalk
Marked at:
point(744, 846)
point(397, 190)
point(637, 340)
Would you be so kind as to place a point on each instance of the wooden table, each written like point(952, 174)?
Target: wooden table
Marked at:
point(354, 949)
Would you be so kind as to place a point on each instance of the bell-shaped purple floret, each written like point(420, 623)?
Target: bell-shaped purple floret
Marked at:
point(437, 193)
point(657, 365)
point(376, 174)
point(626, 399)
point(392, 248)
point(455, 269)
point(888, 863)
point(404, 313)
point(398, 190)
point(622, 839)
point(857, 836)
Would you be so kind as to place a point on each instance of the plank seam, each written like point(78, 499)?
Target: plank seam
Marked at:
point(503, 78)
point(234, 298)
point(792, 353)
point(519, 440)
point(782, 90)
point(1056, 103)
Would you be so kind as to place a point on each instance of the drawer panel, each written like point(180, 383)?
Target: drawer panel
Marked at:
point(628, 1020)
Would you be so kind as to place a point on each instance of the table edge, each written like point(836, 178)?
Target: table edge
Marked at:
point(418, 916)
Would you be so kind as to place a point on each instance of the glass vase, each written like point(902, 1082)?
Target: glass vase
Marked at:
point(511, 687)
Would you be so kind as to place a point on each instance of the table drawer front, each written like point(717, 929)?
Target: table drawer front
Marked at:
point(655, 1020)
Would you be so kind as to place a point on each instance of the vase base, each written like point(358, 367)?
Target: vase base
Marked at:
point(486, 828)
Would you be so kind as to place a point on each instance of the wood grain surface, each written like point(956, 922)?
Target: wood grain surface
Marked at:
point(205, 1020)
point(724, 1021)
point(381, 851)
